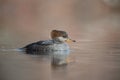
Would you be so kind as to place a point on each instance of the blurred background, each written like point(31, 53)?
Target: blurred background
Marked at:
point(94, 24)
point(24, 21)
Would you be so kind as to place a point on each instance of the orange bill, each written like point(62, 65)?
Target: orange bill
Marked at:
point(70, 40)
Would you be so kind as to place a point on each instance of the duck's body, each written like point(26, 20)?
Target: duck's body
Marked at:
point(47, 45)
point(57, 43)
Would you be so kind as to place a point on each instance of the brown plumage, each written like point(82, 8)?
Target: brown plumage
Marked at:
point(58, 33)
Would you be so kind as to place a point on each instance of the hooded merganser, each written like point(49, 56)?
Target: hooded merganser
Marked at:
point(58, 42)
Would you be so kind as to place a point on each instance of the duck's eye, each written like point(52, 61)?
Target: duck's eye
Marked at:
point(64, 36)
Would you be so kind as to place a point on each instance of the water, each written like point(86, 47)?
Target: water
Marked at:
point(88, 61)
point(92, 23)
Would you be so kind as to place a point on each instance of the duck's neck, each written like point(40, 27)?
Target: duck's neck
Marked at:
point(57, 41)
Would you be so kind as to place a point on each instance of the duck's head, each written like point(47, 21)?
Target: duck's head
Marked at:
point(60, 36)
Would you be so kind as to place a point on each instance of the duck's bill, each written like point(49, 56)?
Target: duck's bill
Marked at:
point(70, 40)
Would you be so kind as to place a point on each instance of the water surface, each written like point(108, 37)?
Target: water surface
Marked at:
point(89, 61)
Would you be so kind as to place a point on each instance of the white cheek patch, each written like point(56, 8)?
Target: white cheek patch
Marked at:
point(62, 39)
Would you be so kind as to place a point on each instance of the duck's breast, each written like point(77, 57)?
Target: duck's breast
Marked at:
point(62, 46)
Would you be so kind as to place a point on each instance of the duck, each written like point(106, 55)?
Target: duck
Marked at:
point(58, 42)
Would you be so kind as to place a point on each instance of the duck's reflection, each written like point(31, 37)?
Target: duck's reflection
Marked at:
point(58, 58)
